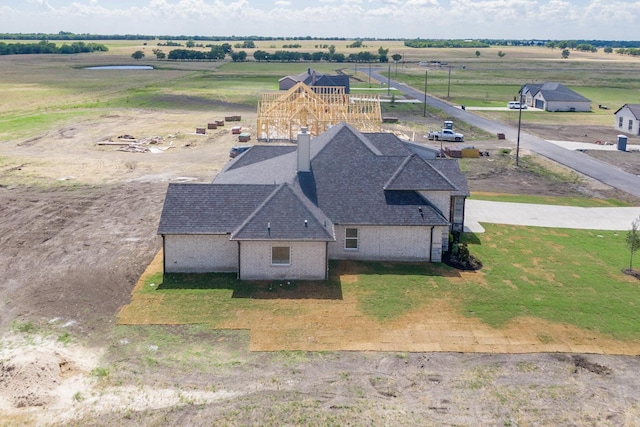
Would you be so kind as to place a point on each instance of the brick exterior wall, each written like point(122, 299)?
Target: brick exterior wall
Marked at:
point(395, 243)
point(308, 261)
point(200, 254)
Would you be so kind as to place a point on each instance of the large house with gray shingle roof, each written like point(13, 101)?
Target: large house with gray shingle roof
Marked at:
point(313, 78)
point(553, 96)
point(282, 212)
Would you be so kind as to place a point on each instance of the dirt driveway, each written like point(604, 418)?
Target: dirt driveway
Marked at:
point(77, 228)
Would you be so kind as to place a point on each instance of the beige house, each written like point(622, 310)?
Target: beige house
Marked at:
point(284, 211)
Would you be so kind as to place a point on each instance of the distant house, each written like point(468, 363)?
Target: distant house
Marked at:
point(284, 211)
point(552, 96)
point(628, 119)
point(313, 78)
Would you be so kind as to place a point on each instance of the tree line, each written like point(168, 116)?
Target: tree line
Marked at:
point(64, 35)
point(44, 47)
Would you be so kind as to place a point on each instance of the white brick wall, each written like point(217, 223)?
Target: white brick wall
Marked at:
point(200, 254)
point(393, 243)
point(308, 261)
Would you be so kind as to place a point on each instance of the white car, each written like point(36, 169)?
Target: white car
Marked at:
point(515, 105)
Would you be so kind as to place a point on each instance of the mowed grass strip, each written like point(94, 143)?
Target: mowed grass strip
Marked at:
point(584, 202)
point(558, 275)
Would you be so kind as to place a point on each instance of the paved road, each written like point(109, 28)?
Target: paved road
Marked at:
point(578, 161)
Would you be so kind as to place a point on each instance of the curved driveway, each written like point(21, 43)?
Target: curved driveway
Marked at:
point(578, 161)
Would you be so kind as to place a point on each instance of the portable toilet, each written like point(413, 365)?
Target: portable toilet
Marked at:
point(448, 124)
point(622, 142)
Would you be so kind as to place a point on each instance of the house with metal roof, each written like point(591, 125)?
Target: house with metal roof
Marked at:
point(313, 78)
point(284, 211)
point(628, 119)
point(553, 96)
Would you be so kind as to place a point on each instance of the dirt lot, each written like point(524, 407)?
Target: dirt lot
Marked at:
point(77, 229)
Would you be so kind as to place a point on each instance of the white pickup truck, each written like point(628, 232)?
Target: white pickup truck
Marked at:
point(445, 135)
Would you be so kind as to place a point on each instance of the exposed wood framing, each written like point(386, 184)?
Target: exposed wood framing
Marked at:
point(282, 115)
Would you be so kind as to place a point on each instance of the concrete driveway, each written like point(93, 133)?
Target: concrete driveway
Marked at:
point(478, 211)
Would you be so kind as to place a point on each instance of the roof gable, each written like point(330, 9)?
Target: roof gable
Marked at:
point(633, 108)
point(285, 215)
point(416, 174)
point(554, 91)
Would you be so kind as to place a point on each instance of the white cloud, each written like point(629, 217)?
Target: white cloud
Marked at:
point(342, 18)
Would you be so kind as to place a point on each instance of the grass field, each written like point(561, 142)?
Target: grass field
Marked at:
point(39, 87)
point(557, 275)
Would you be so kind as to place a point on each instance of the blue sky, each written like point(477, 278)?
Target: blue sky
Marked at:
point(518, 19)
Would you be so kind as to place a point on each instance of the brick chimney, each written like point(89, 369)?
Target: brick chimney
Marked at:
point(304, 150)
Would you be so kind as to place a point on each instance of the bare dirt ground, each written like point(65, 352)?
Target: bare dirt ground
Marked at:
point(77, 229)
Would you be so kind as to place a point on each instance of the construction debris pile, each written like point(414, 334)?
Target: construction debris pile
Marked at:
point(141, 145)
point(131, 144)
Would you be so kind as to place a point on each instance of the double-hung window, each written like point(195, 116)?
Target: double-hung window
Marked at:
point(351, 239)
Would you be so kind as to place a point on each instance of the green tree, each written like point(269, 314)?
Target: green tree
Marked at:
point(633, 240)
point(501, 53)
point(159, 54)
point(137, 55)
point(260, 55)
point(565, 53)
point(608, 49)
point(396, 57)
point(239, 56)
point(190, 43)
point(477, 54)
point(332, 50)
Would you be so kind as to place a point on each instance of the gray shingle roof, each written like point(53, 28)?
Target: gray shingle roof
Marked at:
point(313, 78)
point(634, 108)
point(451, 169)
point(416, 174)
point(285, 215)
point(355, 179)
point(260, 153)
point(209, 209)
point(554, 91)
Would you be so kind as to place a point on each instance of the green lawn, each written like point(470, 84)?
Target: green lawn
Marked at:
point(559, 275)
point(584, 202)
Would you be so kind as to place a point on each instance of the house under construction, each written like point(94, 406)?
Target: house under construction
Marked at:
point(281, 116)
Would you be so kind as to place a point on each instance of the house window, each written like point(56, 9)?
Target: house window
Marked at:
point(351, 238)
point(280, 255)
point(620, 122)
point(630, 124)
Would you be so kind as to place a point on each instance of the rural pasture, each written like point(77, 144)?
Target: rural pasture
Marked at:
point(78, 231)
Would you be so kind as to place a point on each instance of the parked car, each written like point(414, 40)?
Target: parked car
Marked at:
point(515, 105)
point(445, 135)
point(236, 150)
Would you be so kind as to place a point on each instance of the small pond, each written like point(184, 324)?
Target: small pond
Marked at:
point(121, 67)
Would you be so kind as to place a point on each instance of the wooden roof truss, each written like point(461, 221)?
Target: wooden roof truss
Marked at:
point(282, 115)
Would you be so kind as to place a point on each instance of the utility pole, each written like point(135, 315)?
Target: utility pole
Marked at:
point(519, 123)
point(449, 85)
point(389, 80)
point(369, 74)
point(426, 73)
